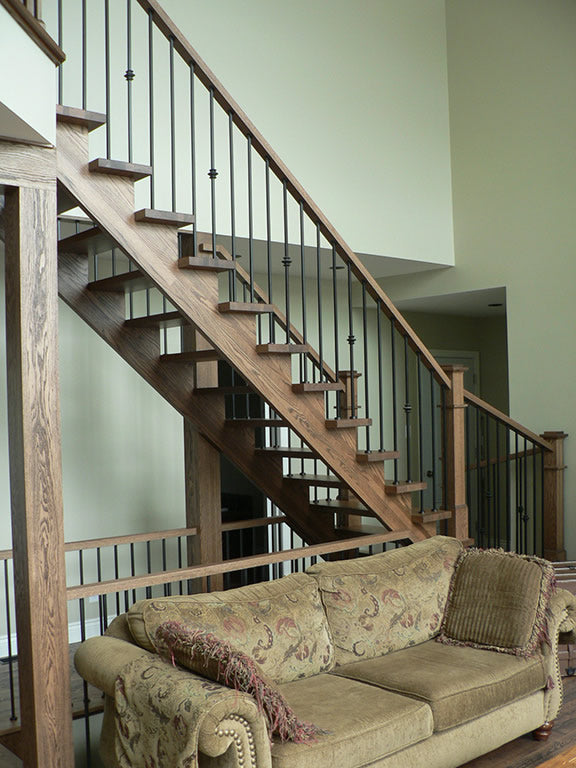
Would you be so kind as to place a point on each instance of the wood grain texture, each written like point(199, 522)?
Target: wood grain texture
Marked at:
point(194, 294)
point(455, 466)
point(36, 476)
point(24, 165)
point(554, 469)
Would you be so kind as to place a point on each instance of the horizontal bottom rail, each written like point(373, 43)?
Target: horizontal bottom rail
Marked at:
point(200, 571)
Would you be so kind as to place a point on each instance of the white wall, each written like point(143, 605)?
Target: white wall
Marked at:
point(512, 82)
point(28, 89)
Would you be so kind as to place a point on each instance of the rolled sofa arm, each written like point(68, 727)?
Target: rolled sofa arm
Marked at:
point(166, 715)
point(561, 629)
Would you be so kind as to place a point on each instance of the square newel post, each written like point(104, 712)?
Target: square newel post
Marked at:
point(202, 473)
point(554, 496)
point(455, 458)
point(36, 476)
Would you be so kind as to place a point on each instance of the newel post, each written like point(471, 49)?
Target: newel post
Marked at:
point(455, 457)
point(554, 496)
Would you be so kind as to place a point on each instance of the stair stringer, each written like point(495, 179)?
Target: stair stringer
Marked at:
point(139, 347)
point(109, 202)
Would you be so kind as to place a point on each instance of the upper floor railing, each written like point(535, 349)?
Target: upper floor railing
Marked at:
point(28, 14)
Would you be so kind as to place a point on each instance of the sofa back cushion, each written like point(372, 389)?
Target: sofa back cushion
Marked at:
point(280, 624)
point(498, 601)
point(388, 601)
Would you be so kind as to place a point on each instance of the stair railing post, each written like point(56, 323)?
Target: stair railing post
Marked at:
point(348, 397)
point(455, 453)
point(554, 496)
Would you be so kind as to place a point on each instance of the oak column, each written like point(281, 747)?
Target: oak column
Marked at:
point(554, 468)
point(36, 476)
point(455, 470)
point(202, 472)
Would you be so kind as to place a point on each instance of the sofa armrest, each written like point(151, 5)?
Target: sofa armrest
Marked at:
point(166, 715)
point(563, 609)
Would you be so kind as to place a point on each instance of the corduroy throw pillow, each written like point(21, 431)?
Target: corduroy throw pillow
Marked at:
point(498, 601)
point(204, 653)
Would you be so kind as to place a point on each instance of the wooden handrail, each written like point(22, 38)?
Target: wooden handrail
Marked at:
point(228, 566)
point(31, 23)
point(169, 29)
point(506, 420)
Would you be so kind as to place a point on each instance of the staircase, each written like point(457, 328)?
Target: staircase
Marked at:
point(153, 246)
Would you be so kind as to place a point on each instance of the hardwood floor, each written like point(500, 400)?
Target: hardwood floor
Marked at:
point(521, 753)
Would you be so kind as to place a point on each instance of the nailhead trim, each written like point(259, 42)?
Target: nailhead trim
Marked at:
point(238, 741)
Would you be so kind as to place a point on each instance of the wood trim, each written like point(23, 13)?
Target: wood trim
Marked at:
point(258, 522)
point(455, 458)
point(35, 29)
point(36, 476)
point(228, 566)
point(554, 497)
point(260, 145)
point(504, 419)
point(26, 165)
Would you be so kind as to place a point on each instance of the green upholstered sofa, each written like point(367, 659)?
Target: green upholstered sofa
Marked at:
point(424, 655)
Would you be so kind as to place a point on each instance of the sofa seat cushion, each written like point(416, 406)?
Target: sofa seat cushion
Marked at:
point(364, 723)
point(388, 601)
point(459, 683)
point(280, 624)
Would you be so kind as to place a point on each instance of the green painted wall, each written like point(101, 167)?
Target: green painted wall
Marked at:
point(512, 87)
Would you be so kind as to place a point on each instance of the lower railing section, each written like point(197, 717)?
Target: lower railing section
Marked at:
point(106, 576)
point(505, 481)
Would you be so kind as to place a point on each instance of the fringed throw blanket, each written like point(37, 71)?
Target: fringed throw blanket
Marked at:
point(159, 711)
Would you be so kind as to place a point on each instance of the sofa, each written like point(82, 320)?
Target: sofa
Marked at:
point(425, 655)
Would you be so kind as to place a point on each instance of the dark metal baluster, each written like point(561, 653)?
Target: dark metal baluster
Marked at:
point(380, 377)
point(496, 486)
point(193, 154)
point(13, 715)
point(107, 77)
point(444, 439)
point(148, 568)
point(129, 75)
point(132, 568)
point(151, 103)
point(173, 127)
point(102, 599)
point(180, 564)
point(479, 481)
point(525, 497)
point(407, 411)
point(84, 57)
point(319, 304)
point(473, 529)
point(366, 365)
point(394, 393)
point(542, 502)
point(508, 492)
point(488, 491)
point(433, 439)
point(518, 486)
point(286, 261)
point(86, 697)
point(61, 44)
point(351, 341)
point(336, 334)
point(232, 278)
point(167, 587)
point(116, 576)
point(420, 429)
point(212, 173)
point(272, 321)
point(304, 358)
point(250, 220)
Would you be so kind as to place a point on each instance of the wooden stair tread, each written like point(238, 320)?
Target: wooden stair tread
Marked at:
point(83, 117)
point(134, 171)
point(117, 283)
point(431, 515)
point(170, 218)
point(320, 386)
point(365, 529)
point(394, 489)
point(237, 390)
point(347, 423)
point(291, 453)
point(206, 263)
point(193, 356)
point(245, 307)
point(282, 349)
point(161, 319)
point(351, 506)
point(375, 456)
point(257, 422)
point(322, 481)
point(89, 240)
